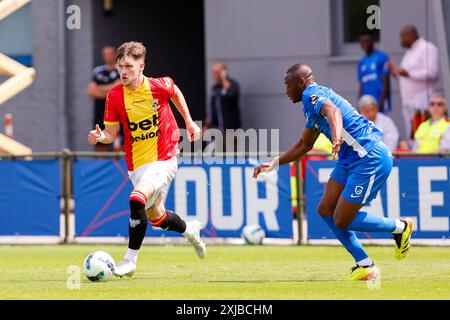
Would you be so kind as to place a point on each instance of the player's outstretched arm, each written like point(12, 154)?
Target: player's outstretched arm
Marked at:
point(298, 149)
point(334, 118)
point(181, 105)
point(106, 136)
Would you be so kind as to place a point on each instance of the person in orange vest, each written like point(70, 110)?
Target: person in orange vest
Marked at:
point(429, 135)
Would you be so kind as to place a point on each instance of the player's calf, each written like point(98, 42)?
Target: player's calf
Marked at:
point(136, 230)
point(138, 219)
point(169, 221)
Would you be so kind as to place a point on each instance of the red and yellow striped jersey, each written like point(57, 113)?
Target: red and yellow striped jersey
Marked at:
point(150, 129)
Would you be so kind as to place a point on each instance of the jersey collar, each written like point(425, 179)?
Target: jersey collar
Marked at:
point(313, 84)
point(141, 88)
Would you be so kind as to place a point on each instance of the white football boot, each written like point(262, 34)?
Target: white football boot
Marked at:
point(193, 237)
point(125, 267)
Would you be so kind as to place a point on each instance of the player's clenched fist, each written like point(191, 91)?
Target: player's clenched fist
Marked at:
point(336, 147)
point(193, 131)
point(95, 135)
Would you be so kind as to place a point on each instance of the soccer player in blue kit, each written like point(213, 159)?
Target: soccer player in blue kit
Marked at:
point(373, 73)
point(363, 166)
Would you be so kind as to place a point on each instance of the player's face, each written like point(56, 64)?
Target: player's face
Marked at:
point(366, 43)
point(129, 69)
point(294, 88)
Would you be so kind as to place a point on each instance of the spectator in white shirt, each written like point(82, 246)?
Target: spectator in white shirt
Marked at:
point(368, 107)
point(418, 76)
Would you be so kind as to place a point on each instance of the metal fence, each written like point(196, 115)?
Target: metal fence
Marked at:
point(67, 157)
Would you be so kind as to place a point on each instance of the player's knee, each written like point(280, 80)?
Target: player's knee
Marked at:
point(137, 207)
point(340, 222)
point(324, 210)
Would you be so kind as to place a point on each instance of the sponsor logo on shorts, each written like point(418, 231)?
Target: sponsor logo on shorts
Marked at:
point(358, 192)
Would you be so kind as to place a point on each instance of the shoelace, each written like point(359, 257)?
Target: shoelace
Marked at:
point(356, 267)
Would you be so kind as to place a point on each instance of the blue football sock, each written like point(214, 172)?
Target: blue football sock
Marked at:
point(366, 222)
point(348, 240)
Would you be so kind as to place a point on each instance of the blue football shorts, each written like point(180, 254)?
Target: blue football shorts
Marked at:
point(364, 178)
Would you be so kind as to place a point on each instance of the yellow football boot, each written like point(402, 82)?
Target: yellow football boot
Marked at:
point(364, 273)
point(403, 240)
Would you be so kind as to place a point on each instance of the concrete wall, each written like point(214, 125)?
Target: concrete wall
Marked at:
point(260, 39)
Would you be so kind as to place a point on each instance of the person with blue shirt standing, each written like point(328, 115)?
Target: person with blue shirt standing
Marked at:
point(373, 73)
point(362, 169)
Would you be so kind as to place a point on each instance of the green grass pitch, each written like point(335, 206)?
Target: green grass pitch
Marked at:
point(228, 272)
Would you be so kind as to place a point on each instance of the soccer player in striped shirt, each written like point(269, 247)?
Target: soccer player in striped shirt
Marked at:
point(362, 169)
point(151, 137)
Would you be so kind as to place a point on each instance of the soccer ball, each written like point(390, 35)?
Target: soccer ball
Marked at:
point(253, 234)
point(99, 266)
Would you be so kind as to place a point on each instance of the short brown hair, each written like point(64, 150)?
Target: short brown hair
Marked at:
point(136, 50)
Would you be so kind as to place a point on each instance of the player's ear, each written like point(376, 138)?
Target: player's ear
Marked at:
point(302, 82)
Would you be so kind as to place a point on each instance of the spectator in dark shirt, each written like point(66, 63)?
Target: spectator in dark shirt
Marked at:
point(104, 78)
point(224, 110)
point(224, 106)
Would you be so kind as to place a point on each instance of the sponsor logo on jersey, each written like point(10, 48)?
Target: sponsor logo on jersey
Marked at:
point(145, 124)
point(155, 104)
point(146, 136)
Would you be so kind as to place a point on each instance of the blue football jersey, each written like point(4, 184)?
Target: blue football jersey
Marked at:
point(360, 135)
point(371, 69)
